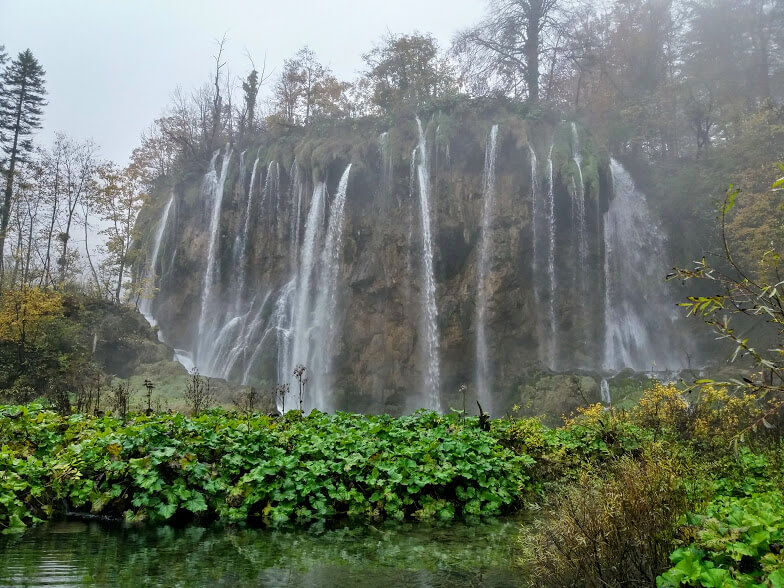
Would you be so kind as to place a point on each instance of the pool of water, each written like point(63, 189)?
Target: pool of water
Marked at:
point(77, 553)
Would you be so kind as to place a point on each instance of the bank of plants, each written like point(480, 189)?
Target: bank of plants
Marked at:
point(253, 468)
point(683, 490)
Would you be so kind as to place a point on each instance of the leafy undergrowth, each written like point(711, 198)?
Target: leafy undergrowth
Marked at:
point(257, 469)
point(738, 538)
point(621, 488)
point(616, 490)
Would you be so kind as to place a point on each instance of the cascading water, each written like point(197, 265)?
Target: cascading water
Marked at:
point(604, 390)
point(551, 344)
point(483, 375)
point(295, 198)
point(431, 346)
point(386, 162)
point(301, 327)
point(241, 241)
point(580, 229)
point(536, 262)
point(282, 304)
point(273, 185)
point(234, 348)
point(145, 304)
point(269, 183)
point(302, 316)
point(233, 330)
point(327, 320)
point(212, 187)
point(635, 311)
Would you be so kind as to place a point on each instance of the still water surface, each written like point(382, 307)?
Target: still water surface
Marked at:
point(76, 553)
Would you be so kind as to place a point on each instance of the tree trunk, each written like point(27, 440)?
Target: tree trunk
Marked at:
point(18, 252)
point(29, 252)
point(46, 276)
point(85, 210)
point(531, 51)
point(5, 212)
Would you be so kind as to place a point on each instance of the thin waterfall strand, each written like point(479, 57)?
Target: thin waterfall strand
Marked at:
point(326, 311)
point(431, 346)
point(483, 375)
point(145, 305)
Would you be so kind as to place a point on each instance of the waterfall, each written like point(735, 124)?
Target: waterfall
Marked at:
point(580, 242)
point(281, 326)
point(410, 219)
point(295, 197)
point(483, 376)
point(551, 279)
point(636, 313)
point(604, 389)
point(278, 327)
point(234, 346)
point(268, 182)
point(185, 359)
point(430, 346)
point(326, 310)
point(241, 240)
point(212, 187)
point(145, 304)
point(273, 181)
point(578, 218)
point(302, 317)
point(298, 323)
point(536, 264)
point(543, 228)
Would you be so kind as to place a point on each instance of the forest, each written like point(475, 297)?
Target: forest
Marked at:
point(276, 316)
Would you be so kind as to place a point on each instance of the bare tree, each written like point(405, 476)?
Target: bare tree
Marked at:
point(79, 165)
point(156, 155)
point(198, 393)
point(504, 50)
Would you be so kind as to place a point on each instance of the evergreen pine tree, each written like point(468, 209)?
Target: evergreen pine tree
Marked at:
point(21, 101)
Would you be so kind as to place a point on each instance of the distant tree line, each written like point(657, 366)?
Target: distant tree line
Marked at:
point(662, 78)
point(66, 216)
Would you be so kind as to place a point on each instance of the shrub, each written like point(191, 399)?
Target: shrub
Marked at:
point(615, 529)
point(198, 394)
point(662, 408)
point(597, 435)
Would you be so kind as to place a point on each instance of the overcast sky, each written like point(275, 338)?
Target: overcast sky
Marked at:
point(111, 65)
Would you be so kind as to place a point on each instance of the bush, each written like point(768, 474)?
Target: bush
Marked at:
point(711, 421)
point(611, 529)
point(199, 395)
point(662, 409)
point(597, 435)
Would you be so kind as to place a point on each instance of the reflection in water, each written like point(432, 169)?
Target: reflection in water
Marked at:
point(94, 554)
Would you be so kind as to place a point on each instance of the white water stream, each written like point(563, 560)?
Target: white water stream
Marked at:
point(483, 375)
point(432, 383)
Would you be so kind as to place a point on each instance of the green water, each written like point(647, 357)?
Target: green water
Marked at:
point(76, 553)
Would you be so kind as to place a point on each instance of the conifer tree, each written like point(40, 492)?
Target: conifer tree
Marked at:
point(21, 101)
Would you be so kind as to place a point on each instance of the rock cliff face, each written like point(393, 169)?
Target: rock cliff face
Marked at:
point(399, 265)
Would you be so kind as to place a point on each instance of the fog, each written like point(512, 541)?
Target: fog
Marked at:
point(111, 66)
